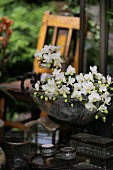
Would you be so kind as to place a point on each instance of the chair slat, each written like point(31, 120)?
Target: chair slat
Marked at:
point(68, 43)
point(43, 31)
point(54, 35)
point(40, 43)
point(61, 40)
point(64, 22)
point(76, 56)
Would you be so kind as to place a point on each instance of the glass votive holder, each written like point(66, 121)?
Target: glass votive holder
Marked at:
point(68, 153)
point(47, 151)
point(15, 149)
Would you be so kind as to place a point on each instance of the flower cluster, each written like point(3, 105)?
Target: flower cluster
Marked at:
point(5, 30)
point(92, 89)
point(5, 33)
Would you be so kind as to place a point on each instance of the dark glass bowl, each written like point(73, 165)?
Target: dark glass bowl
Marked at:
point(68, 153)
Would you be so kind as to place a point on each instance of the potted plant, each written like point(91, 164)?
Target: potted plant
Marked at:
point(66, 96)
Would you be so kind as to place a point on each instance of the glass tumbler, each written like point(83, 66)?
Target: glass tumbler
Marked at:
point(15, 149)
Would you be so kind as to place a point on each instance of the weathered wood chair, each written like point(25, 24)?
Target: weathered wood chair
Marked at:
point(55, 30)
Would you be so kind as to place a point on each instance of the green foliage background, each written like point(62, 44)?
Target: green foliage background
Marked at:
point(27, 17)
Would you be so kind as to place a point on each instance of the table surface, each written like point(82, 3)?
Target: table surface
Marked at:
point(35, 161)
point(57, 163)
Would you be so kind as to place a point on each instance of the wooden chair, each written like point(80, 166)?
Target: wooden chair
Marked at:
point(55, 30)
point(64, 28)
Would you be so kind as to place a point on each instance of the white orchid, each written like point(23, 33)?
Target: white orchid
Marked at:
point(103, 79)
point(108, 79)
point(47, 58)
point(50, 85)
point(37, 85)
point(57, 60)
point(80, 77)
point(56, 72)
point(71, 81)
point(102, 87)
point(102, 108)
point(77, 86)
point(94, 97)
point(91, 89)
point(93, 69)
point(90, 106)
point(89, 77)
point(45, 77)
point(60, 77)
point(64, 90)
point(98, 76)
point(104, 95)
point(49, 95)
point(76, 94)
point(87, 85)
point(46, 49)
point(55, 48)
point(107, 100)
point(70, 70)
point(38, 54)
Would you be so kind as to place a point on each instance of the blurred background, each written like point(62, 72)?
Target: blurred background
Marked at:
point(26, 17)
point(22, 20)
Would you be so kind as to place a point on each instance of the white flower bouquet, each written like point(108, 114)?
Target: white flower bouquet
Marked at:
point(93, 90)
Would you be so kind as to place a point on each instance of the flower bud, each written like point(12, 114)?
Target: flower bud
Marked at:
point(41, 97)
point(94, 88)
point(35, 94)
point(59, 86)
point(107, 85)
point(46, 99)
point(80, 99)
point(104, 119)
point(100, 92)
point(49, 65)
point(54, 98)
point(65, 100)
point(64, 95)
point(71, 104)
point(57, 93)
point(58, 82)
point(106, 111)
point(99, 82)
point(96, 116)
point(111, 88)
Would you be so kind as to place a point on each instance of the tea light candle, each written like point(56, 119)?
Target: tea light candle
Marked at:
point(47, 151)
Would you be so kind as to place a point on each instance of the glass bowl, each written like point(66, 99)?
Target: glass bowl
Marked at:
point(68, 153)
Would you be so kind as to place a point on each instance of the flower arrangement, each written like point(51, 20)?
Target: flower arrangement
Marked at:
point(92, 90)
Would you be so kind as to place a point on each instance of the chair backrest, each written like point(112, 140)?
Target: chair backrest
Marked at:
point(65, 34)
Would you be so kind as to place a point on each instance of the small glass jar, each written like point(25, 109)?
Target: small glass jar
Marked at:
point(47, 151)
point(68, 153)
